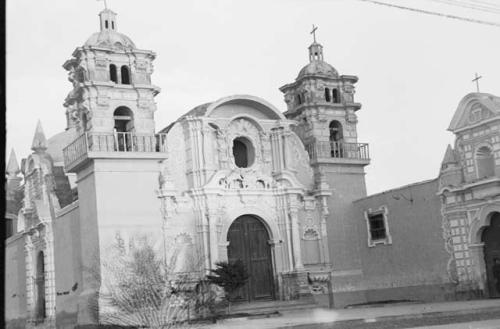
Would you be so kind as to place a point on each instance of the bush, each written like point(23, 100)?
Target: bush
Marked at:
point(230, 276)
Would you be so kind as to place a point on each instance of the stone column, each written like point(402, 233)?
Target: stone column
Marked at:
point(30, 296)
point(212, 228)
point(297, 253)
point(223, 250)
point(50, 282)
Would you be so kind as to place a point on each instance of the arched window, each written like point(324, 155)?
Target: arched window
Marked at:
point(125, 75)
point(106, 24)
point(112, 73)
point(299, 99)
point(335, 96)
point(327, 94)
point(336, 135)
point(335, 131)
point(485, 162)
point(112, 25)
point(40, 286)
point(123, 119)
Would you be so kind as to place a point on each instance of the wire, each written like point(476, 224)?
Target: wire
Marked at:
point(486, 3)
point(469, 6)
point(428, 12)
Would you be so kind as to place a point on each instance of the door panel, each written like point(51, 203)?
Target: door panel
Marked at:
point(248, 241)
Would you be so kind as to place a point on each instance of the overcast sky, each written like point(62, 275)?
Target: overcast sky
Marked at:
point(413, 69)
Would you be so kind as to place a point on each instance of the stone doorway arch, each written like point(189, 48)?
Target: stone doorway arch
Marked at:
point(490, 237)
point(248, 239)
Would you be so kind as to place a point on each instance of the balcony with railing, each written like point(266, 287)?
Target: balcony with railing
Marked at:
point(113, 145)
point(339, 152)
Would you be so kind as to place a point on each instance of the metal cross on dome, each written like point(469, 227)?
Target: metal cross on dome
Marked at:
point(105, 4)
point(476, 80)
point(313, 32)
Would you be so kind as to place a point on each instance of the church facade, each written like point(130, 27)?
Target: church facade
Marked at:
point(239, 179)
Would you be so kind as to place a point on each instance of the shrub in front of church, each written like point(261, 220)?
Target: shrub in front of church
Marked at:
point(230, 276)
point(140, 290)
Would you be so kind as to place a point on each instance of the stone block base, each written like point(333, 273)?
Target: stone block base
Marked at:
point(294, 285)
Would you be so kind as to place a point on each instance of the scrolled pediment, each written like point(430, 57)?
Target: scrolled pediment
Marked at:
point(474, 109)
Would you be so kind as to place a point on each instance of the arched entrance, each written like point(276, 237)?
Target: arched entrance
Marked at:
point(248, 241)
point(491, 239)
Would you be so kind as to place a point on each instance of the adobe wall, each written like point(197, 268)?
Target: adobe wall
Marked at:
point(15, 282)
point(412, 266)
point(68, 264)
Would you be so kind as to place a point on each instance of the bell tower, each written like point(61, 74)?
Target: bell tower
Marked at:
point(111, 78)
point(117, 153)
point(322, 103)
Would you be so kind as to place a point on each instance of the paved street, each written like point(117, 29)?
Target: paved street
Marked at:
point(488, 324)
point(414, 321)
point(447, 315)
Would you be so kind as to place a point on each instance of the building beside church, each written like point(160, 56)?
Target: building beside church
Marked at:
point(237, 178)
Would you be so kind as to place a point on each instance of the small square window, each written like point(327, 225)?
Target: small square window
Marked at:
point(378, 229)
point(377, 226)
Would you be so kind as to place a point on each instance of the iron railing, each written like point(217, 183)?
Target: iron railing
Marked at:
point(113, 142)
point(338, 150)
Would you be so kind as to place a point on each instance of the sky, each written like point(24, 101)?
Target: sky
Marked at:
point(413, 68)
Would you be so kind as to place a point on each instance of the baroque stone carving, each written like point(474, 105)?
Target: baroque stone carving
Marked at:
point(184, 238)
point(246, 180)
point(311, 231)
point(222, 148)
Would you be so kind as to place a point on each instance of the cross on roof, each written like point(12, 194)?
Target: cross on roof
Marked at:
point(313, 32)
point(476, 80)
point(105, 4)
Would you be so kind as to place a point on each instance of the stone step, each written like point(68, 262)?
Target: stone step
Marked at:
point(267, 307)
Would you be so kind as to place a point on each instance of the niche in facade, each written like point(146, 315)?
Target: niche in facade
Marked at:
point(485, 162)
point(243, 152)
point(40, 287)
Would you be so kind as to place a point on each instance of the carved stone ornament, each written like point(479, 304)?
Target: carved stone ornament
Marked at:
point(351, 116)
point(311, 231)
point(141, 66)
point(348, 89)
point(184, 238)
point(101, 63)
point(143, 103)
point(289, 98)
point(246, 180)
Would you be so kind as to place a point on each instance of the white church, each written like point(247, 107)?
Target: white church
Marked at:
point(280, 188)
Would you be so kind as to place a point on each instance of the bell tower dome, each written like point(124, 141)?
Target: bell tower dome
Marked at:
point(111, 78)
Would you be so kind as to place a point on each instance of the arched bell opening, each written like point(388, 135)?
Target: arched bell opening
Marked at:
point(113, 76)
point(125, 73)
point(336, 139)
point(123, 128)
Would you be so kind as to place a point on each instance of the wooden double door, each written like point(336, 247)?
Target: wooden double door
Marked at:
point(491, 239)
point(248, 241)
